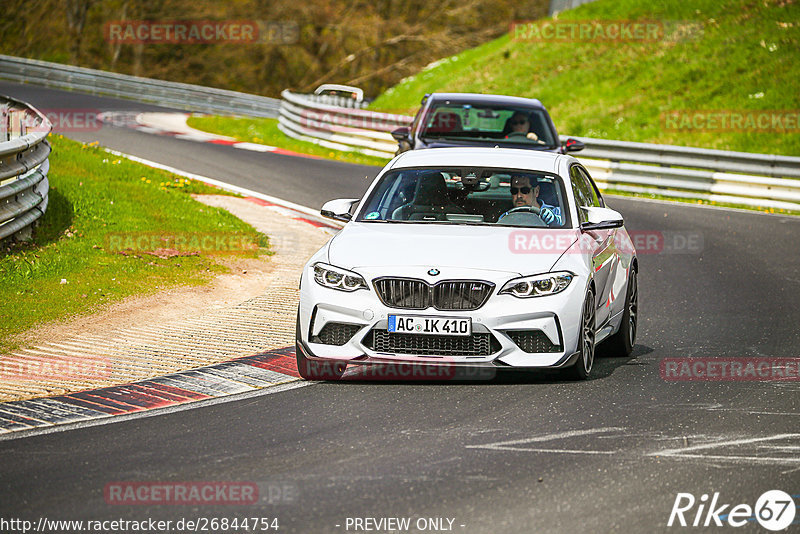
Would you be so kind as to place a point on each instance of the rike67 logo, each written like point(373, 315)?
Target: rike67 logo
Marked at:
point(774, 510)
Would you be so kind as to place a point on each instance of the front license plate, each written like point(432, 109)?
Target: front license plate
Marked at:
point(438, 326)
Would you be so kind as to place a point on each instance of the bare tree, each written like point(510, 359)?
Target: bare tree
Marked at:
point(76, 20)
point(116, 48)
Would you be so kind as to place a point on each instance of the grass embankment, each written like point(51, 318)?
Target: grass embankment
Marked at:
point(733, 57)
point(266, 132)
point(104, 215)
point(740, 56)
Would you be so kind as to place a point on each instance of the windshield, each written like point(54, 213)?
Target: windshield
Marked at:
point(505, 197)
point(503, 125)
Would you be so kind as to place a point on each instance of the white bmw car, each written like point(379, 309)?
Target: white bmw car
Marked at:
point(475, 257)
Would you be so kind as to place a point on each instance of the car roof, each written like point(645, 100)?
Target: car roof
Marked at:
point(487, 99)
point(512, 158)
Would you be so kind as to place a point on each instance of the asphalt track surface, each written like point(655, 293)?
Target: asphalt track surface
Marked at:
point(522, 453)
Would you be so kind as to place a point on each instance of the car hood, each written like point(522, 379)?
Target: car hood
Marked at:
point(508, 250)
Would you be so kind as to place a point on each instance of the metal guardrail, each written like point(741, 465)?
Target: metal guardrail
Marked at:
point(702, 158)
point(732, 177)
point(23, 167)
point(744, 178)
point(557, 6)
point(760, 180)
point(304, 117)
point(169, 94)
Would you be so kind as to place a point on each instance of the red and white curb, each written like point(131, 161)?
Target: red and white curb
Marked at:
point(173, 128)
point(238, 376)
point(268, 372)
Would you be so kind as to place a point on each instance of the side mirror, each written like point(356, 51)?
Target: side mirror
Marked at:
point(601, 218)
point(573, 145)
point(402, 133)
point(338, 209)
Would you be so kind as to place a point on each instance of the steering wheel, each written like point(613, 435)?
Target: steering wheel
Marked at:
point(527, 216)
point(517, 134)
point(529, 209)
point(398, 212)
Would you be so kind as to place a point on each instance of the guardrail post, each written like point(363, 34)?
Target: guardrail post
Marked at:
point(3, 122)
point(15, 125)
point(24, 234)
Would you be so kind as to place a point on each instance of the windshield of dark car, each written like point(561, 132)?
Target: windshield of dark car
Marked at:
point(468, 196)
point(502, 125)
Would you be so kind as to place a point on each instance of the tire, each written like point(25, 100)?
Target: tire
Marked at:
point(316, 369)
point(586, 342)
point(621, 344)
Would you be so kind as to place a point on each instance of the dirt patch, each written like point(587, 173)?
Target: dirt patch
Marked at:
point(247, 279)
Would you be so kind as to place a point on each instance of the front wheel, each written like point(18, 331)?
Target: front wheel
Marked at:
point(586, 345)
point(621, 344)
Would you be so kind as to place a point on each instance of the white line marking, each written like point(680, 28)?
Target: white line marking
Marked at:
point(255, 147)
point(508, 445)
point(223, 185)
point(189, 137)
point(526, 449)
point(744, 459)
point(682, 451)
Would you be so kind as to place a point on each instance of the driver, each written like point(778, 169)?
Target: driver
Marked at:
point(523, 194)
point(520, 124)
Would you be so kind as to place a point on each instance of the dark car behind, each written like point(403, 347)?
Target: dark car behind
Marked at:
point(468, 119)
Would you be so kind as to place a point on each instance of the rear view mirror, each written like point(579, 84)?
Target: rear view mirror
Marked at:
point(401, 134)
point(601, 218)
point(338, 209)
point(573, 145)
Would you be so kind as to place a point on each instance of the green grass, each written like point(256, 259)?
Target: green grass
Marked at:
point(266, 132)
point(738, 55)
point(96, 198)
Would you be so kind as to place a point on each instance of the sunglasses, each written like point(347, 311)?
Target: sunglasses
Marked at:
point(519, 121)
point(523, 190)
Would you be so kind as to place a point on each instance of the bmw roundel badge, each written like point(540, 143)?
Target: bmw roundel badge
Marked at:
point(433, 272)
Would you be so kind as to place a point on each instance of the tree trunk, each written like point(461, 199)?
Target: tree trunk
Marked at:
point(76, 20)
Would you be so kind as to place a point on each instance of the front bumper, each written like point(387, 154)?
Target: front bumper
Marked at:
point(501, 318)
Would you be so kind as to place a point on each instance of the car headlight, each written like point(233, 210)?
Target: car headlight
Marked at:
point(538, 285)
point(337, 278)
